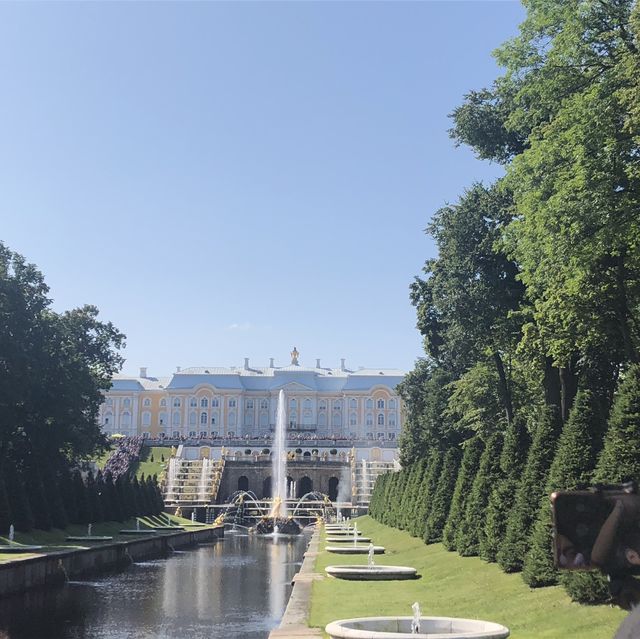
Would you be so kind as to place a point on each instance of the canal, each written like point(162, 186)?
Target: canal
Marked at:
point(237, 587)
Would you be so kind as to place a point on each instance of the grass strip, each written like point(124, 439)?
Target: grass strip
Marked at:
point(452, 586)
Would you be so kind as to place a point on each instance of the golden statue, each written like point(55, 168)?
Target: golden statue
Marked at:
point(294, 356)
point(178, 512)
point(219, 520)
point(275, 509)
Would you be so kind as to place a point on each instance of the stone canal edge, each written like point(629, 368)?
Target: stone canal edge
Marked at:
point(296, 615)
point(55, 567)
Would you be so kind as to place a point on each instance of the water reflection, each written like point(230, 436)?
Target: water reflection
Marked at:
point(235, 588)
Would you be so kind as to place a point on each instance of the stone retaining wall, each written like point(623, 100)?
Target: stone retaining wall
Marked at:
point(56, 567)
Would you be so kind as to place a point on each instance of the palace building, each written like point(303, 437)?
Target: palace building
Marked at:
point(240, 402)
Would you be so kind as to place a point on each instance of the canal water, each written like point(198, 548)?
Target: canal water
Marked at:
point(237, 587)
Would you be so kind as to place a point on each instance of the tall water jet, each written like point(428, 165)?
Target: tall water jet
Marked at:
point(279, 461)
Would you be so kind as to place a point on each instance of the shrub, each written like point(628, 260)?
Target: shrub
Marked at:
point(425, 494)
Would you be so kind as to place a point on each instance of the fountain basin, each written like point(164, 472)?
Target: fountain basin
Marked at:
point(355, 550)
point(135, 531)
point(89, 538)
point(372, 573)
point(172, 528)
point(430, 628)
point(17, 548)
point(347, 540)
point(341, 533)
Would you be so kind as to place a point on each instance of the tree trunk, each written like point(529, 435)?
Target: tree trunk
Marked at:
point(503, 387)
point(568, 388)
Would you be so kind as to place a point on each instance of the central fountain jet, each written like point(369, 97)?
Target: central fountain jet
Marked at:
point(279, 519)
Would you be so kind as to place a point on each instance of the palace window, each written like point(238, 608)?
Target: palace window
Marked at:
point(176, 402)
point(232, 403)
point(337, 404)
point(369, 435)
point(126, 419)
point(369, 419)
point(176, 418)
point(146, 418)
point(127, 402)
point(162, 419)
point(354, 403)
point(213, 420)
point(232, 419)
point(293, 403)
point(163, 402)
point(392, 419)
point(369, 403)
point(204, 403)
point(203, 418)
point(192, 418)
point(250, 404)
point(215, 402)
point(353, 420)
point(203, 433)
point(381, 403)
point(192, 433)
point(323, 405)
point(193, 402)
point(231, 433)
point(392, 404)
point(146, 435)
point(380, 419)
point(108, 417)
point(392, 435)
point(380, 435)
point(264, 404)
point(147, 402)
point(307, 404)
point(176, 434)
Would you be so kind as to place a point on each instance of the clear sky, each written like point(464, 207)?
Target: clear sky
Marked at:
point(228, 180)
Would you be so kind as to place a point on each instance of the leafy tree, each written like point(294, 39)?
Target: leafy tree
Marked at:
point(18, 498)
point(441, 504)
point(468, 470)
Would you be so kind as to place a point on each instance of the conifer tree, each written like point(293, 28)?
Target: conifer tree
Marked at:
point(530, 491)
point(572, 468)
point(68, 494)
point(471, 531)
point(468, 470)
point(83, 508)
point(18, 499)
point(441, 503)
point(409, 495)
point(512, 459)
point(5, 509)
point(619, 461)
point(39, 504)
point(426, 493)
point(51, 486)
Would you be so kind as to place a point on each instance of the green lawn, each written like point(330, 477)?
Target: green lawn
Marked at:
point(147, 467)
point(453, 586)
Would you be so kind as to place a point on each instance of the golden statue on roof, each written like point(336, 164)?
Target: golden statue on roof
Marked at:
point(294, 356)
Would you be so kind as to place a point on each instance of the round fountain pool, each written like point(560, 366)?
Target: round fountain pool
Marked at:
point(430, 628)
point(355, 550)
point(346, 540)
point(342, 532)
point(371, 573)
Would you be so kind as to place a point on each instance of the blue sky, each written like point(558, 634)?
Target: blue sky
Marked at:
point(227, 180)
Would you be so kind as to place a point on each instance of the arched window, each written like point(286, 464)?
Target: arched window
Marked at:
point(322, 405)
point(243, 482)
point(215, 402)
point(203, 418)
point(249, 404)
point(146, 418)
point(125, 420)
point(353, 419)
point(353, 403)
point(307, 404)
point(232, 403)
point(127, 402)
point(264, 404)
point(392, 419)
point(336, 419)
point(322, 419)
point(392, 404)
point(193, 402)
point(369, 403)
point(293, 403)
point(293, 419)
point(337, 404)
point(333, 488)
point(147, 402)
point(380, 419)
point(163, 402)
point(204, 403)
point(162, 419)
point(192, 418)
point(176, 434)
point(369, 419)
point(248, 419)
point(175, 420)
point(380, 403)
point(176, 402)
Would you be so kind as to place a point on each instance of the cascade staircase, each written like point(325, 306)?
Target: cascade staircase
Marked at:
point(363, 478)
point(192, 482)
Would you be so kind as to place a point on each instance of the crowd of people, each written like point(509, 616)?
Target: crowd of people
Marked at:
point(126, 453)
